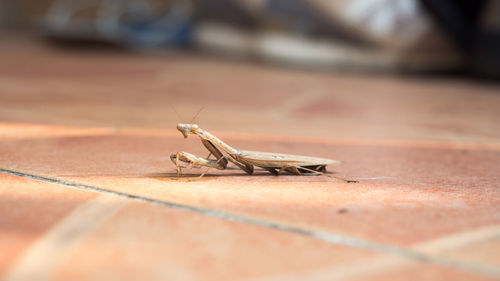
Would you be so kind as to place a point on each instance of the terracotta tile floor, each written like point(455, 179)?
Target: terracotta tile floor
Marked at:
point(88, 192)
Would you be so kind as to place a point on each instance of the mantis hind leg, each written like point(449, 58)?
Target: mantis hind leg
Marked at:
point(318, 169)
point(289, 168)
point(321, 168)
point(301, 170)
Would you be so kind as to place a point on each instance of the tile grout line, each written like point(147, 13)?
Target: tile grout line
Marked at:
point(320, 235)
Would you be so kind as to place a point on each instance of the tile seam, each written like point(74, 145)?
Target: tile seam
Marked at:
point(328, 237)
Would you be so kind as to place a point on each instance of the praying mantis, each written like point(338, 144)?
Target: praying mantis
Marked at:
point(275, 163)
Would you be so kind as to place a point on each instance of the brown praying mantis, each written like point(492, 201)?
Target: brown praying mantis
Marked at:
point(275, 163)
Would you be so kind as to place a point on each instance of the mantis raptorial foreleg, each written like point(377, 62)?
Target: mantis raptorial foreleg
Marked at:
point(221, 159)
point(220, 162)
point(189, 158)
point(196, 161)
point(202, 174)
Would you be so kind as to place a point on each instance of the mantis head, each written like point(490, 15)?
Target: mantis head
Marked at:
point(187, 129)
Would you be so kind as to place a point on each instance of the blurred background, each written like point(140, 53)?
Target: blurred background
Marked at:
point(415, 36)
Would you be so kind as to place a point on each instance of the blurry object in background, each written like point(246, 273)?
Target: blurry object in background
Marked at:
point(393, 24)
point(3, 14)
point(487, 52)
point(360, 34)
point(475, 27)
point(227, 11)
point(21, 15)
point(459, 17)
point(131, 22)
point(363, 35)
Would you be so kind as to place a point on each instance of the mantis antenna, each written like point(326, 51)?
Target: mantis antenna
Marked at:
point(197, 113)
point(176, 113)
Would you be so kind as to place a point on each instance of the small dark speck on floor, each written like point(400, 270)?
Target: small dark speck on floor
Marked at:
point(343, 210)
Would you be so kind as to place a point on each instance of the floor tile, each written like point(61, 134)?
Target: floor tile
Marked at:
point(12, 131)
point(157, 241)
point(421, 272)
point(477, 246)
point(28, 210)
point(91, 236)
point(381, 268)
point(145, 241)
